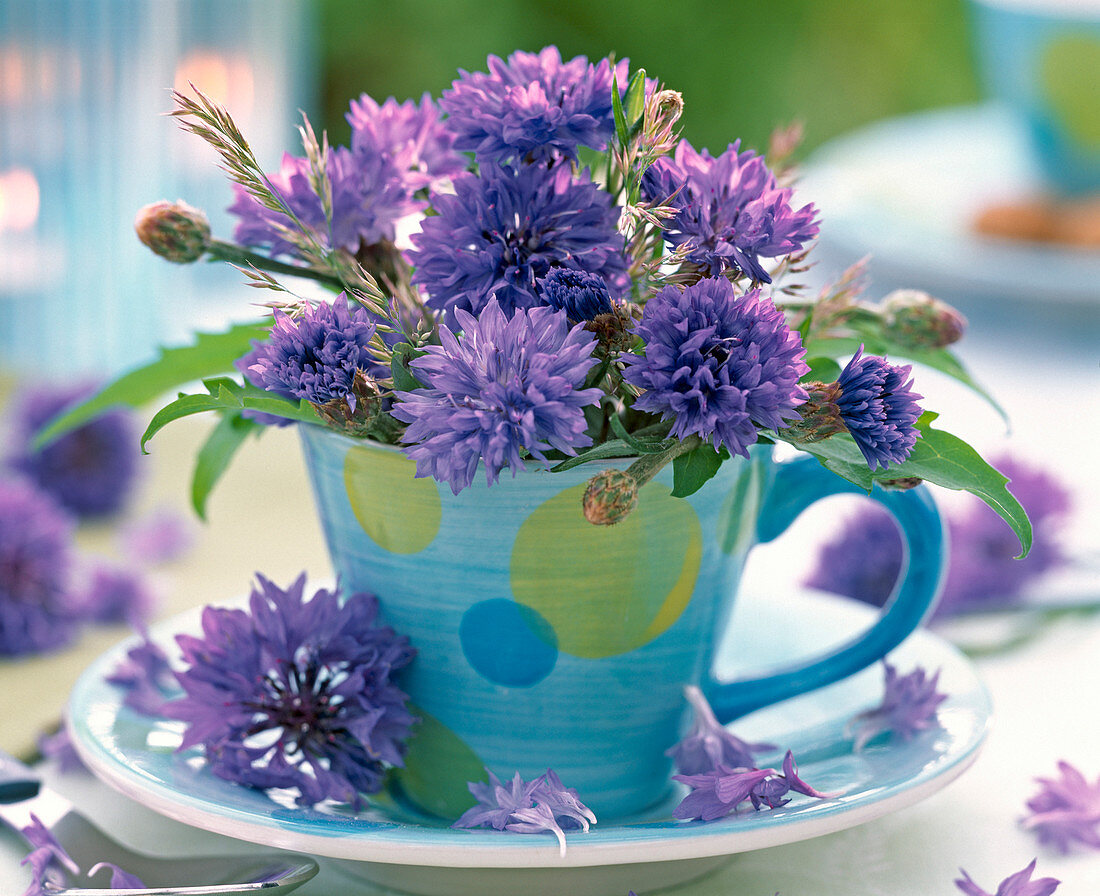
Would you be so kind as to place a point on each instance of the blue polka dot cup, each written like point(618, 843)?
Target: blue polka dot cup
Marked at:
point(546, 642)
point(1042, 59)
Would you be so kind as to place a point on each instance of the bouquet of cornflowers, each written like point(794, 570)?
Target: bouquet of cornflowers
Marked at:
point(538, 271)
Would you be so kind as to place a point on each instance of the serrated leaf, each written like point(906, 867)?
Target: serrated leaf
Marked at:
point(209, 355)
point(404, 380)
point(228, 395)
point(937, 457)
point(215, 455)
point(691, 470)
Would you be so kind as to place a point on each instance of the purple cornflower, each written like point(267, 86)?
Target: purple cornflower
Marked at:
point(1018, 884)
point(315, 354)
point(145, 675)
point(879, 408)
point(721, 790)
point(864, 560)
point(1065, 810)
point(580, 295)
point(909, 705)
point(717, 364)
point(90, 470)
point(117, 595)
point(533, 107)
point(501, 388)
point(411, 136)
point(730, 210)
point(368, 199)
point(544, 804)
point(296, 693)
point(500, 232)
point(37, 612)
point(58, 747)
point(710, 744)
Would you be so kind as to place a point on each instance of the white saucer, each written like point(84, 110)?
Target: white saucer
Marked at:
point(392, 847)
point(906, 190)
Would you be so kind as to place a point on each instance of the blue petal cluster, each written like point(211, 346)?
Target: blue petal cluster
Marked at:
point(543, 804)
point(315, 354)
point(369, 196)
point(296, 693)
point(36, 611)
point(533, 107)
point(582, 296)
point(503, 389)
point(717, 364)
point(1018, 884)
point(420, 145)
point(710, 744)
point(879, 409)
point(909, 706)
point(91, 470)
point(1066, 810)
point(731, 212)
point(499, 232)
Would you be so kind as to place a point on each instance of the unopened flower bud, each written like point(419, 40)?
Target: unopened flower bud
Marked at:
point(918, 320)
point(820, 414)
point(173, 230)
point(613, 330)
point(902, 484)
point(611, 495)
point(356, 413)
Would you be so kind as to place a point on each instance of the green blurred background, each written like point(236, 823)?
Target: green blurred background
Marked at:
point(743, 67)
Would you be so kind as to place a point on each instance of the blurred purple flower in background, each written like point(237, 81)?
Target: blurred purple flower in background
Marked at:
point(717, 364)
point(864, 560)
point(730, 210)
point(502, 231)
point(296, 693)
point(533, 106)
point(1018, 884)
point(543, 804)
point(90, 471)
point(114, 594)
point(37, 611)
point(501, 388)
point(1066, 810)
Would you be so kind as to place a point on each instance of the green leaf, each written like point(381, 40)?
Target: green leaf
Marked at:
point(215, 455)
point(691, 470)
point(403, 377)
point(822, 370)
point(605, 450)
point(622, 130)
point(228, 395)
point(211, 354)
point(635, 98)
point(937, 457)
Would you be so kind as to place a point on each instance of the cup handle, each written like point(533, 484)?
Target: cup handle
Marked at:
point(799, 483)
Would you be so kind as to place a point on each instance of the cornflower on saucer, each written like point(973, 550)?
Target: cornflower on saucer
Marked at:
point(1066, 810)
point(710, 744)
point(527, 807)
point(1018, 884)
point(296, 693)
point(722, 790)
point(909, 705)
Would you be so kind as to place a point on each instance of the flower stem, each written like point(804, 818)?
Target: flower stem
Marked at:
point(649, 465)
point(238, 255)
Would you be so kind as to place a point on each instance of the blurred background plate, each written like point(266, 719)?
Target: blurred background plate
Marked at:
point(906, 192)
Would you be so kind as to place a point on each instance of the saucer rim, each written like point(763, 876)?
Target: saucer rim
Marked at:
point(406, 843)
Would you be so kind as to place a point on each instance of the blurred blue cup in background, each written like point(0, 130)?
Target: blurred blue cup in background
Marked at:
point(1042, 59)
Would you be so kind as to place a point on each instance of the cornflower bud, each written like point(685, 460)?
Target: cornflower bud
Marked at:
point(358, 413)
point(611, 495)
point(820, 414)
point(902, 484)
point(173, 230)
point(918, 320)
